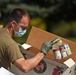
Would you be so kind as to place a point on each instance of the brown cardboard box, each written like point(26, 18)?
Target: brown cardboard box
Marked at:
point(38, 36)
point(35, 39)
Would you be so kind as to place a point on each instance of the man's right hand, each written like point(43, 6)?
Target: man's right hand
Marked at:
point(46, 46)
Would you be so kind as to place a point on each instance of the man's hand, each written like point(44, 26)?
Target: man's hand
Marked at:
point(46, 46)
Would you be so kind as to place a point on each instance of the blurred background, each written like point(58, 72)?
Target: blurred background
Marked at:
point(55, 16)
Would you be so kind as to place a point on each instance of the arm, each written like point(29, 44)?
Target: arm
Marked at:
point(26, 65)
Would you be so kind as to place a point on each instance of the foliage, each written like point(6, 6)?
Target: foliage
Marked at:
point(58, 15)
point(71, 38)
point(38, 22)
point(61, 29)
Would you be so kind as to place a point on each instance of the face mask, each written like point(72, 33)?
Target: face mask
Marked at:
point(20, 32)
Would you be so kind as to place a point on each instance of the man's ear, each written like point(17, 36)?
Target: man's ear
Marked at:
point(13, 23)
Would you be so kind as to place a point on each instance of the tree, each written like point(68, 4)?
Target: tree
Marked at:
point(53, 12)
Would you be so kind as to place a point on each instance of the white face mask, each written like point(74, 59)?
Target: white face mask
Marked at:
point(20, 32)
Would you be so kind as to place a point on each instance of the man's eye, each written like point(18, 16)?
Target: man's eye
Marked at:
point(23, 28)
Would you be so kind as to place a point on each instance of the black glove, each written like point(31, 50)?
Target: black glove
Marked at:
point(46, 46)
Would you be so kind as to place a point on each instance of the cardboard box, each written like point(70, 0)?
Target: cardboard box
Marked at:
point(45, 67)
point(38, 36)
point(48, 66)
point(4, 71)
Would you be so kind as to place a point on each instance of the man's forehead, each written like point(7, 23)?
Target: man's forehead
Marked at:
point(25, 20)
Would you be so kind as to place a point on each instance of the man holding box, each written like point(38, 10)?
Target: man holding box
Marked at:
point(9, 49)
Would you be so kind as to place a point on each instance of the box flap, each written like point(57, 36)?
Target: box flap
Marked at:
point(4, 71)
point(38, 36)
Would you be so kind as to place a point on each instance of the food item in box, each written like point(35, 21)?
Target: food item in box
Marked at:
point(63, 51)
point(67, 48)
point(57, 41)
point(57, 54)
